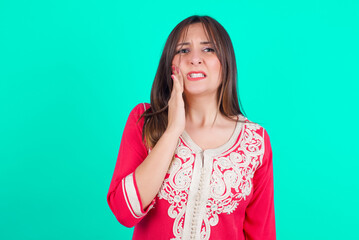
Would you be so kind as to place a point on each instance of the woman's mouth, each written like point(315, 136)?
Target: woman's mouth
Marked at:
point(195, 76)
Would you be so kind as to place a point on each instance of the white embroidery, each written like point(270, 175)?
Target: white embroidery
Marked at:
point(231, 179)
point(230, 183)
point(176, 186)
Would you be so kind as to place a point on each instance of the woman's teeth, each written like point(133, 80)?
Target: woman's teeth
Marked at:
point(196, 75)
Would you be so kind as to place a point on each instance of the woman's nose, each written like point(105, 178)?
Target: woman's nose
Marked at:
point(196, 58)
point(196, 61)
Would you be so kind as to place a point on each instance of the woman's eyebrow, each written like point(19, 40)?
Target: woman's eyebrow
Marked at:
point(187, 43)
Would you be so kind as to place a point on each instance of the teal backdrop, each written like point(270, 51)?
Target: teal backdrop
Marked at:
point(71, 71)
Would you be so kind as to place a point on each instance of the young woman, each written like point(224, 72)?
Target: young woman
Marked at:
point(190, 165)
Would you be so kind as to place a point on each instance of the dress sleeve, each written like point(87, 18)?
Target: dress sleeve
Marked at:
point(259, 220)
point(123, 196)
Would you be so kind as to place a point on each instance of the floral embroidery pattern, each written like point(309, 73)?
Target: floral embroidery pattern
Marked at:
point(230, 182)
point(176, 185)
point(231, 179)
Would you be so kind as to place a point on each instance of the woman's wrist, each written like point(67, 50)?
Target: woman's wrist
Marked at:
point(171, 132)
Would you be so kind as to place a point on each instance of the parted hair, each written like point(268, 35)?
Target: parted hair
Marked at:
point(228, 102)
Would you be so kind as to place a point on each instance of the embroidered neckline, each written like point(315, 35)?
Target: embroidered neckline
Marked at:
point(199, 192)
point(213, 151)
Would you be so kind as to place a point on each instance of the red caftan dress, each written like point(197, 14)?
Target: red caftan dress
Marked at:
point(222, 193)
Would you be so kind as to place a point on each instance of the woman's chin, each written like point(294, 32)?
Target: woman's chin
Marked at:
point(198, 92)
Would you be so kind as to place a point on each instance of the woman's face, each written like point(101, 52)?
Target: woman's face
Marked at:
point(199, 64)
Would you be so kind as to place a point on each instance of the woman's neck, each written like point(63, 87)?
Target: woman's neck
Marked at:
point(201, 111)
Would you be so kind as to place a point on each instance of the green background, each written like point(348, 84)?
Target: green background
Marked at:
point(71, 71)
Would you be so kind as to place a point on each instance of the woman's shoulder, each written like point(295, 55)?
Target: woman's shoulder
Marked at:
point(140, 108)
point(254, 126)
point(136, 113)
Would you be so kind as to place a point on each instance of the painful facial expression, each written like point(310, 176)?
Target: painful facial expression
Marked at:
point(198, 62)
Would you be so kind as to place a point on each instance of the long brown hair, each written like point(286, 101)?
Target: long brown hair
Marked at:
point(156, 117)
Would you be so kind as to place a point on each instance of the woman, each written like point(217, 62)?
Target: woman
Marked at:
point(190, 165)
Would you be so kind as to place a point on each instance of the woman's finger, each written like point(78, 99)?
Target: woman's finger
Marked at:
point(180, 77)
point(176, 85)
point(177, 73)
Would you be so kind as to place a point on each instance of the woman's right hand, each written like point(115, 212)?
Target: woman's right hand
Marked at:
point(176, 110)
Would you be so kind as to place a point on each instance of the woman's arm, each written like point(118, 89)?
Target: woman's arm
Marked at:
point(123, 197)
point(259, 221)
point(152, 171)
point(138, 175)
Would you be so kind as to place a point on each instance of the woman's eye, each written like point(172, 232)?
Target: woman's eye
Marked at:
point(184, 50)
point(209, 50)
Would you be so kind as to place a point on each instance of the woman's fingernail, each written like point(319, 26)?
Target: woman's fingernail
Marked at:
point(172, 77)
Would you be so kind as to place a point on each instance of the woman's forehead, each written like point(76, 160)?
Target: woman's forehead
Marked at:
point(194, 29)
